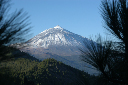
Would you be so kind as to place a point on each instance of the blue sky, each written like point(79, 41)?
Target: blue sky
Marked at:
point(81, 17)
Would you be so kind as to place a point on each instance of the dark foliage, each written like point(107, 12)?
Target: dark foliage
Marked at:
point(24, 71)
point(13, 27)
point(26, 82)
point(105, 59)
point(115, 15)
point(111, 58)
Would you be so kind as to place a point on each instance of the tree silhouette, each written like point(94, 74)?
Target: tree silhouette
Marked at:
point(13, 27)
point(103, 56)
point(115, 15)
point(111, 58)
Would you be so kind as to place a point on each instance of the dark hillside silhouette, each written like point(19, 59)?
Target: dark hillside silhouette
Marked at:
point(23, 71)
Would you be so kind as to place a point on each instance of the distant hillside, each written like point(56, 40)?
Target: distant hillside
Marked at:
point(12, 52)
point(24, 69)
point(61, 42)
point(47, 72)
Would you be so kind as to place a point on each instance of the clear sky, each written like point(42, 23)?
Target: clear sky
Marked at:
point(81, 17)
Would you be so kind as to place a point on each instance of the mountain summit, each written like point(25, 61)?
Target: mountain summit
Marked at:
point(56, 36)
point(58, 27)
point(60, 44)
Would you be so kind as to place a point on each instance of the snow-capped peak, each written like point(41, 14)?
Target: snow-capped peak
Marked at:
point(58, 27)
point(56, 36)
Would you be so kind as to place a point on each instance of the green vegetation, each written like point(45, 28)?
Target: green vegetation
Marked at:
point(46, 72)
point(23, 69)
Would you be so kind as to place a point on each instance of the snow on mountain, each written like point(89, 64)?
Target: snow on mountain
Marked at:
point(60, 44)
point(56, 36)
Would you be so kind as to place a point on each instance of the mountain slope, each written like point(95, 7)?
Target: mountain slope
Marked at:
point(56, 36)
point(57, 41)
point(59, 44)
point(47, 72)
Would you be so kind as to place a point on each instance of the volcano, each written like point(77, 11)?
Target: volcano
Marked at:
point(60, 44)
